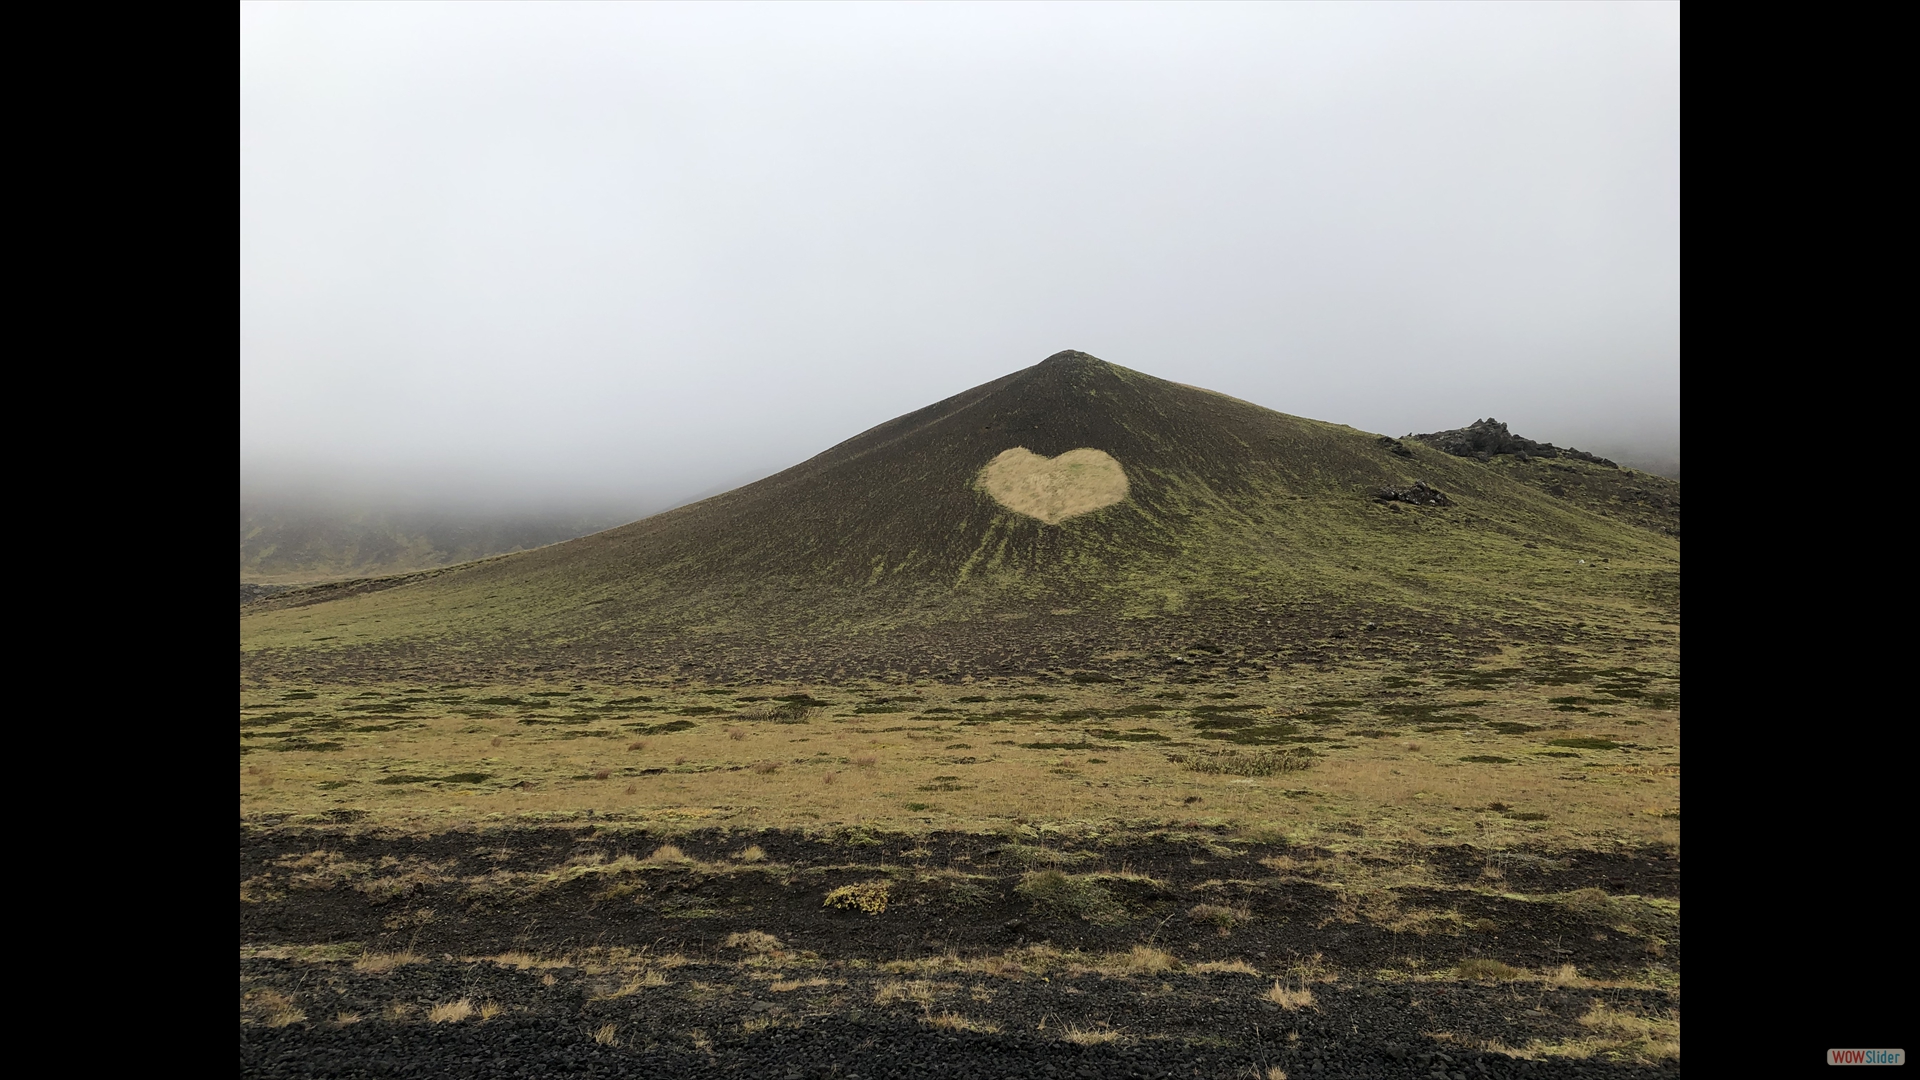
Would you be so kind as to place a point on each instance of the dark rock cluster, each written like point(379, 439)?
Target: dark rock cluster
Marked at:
point(1483, 439)
point(250, 592)
point(1420, 494)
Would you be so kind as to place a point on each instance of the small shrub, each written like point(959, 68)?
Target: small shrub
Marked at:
point(498, 740)
point(601, 774)
point(829, 779)
point(868, 896)
point(637, 744)
point(451, 1012)
point(866, 761)
point(668, 853)
point(753, 853)
point(765, 768)
point(491, 1009)
point(737, 734)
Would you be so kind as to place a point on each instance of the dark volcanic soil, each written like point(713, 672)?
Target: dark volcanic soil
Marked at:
point(712, 965)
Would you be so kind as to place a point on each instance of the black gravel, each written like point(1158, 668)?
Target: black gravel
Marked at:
point(842, 1012)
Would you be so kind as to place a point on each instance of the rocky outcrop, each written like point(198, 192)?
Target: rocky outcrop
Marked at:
point(250, 592)
point(1483, 439)
point(1420, 494)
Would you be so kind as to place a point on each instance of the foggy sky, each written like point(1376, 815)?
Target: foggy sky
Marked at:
point(628, 255)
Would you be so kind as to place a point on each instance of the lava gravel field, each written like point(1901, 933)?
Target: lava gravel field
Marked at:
point(601, 950)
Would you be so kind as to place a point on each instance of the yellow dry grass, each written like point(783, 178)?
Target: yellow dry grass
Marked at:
point(754, 941)
point(1290, 998)
point(1054, 489)
point(524, 961)
point(1145, 958)
point(451, 1012)
point(1566, 976)
point(784, 985)
point(1619, 1035)
point(379, 963)
point(1223, 967)
point(949, 1021)
point(919, 991)
point(274, 1008)
point(1364, 791)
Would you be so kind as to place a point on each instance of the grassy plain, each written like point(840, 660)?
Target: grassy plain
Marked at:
point(1542, 747)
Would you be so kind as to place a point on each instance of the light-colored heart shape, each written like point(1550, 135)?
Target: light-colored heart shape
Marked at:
point(1053, 489)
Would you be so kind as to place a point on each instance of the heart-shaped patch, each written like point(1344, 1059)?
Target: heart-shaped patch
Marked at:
point(1053, 489)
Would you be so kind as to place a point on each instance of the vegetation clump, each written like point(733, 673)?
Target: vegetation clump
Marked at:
point(1484, 970)
point(1258, 763)
point(868, 896)
point(1071, 896)
point(1220, 916)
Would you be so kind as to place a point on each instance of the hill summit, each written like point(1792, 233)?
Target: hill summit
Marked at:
point(1074, 518)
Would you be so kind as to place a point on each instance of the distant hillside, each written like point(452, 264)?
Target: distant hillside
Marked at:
point(1667, 465)
point(289, 544)
point(1072, 516)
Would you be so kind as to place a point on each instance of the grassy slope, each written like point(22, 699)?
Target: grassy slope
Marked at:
point(1637, 498)
point(879, 555)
